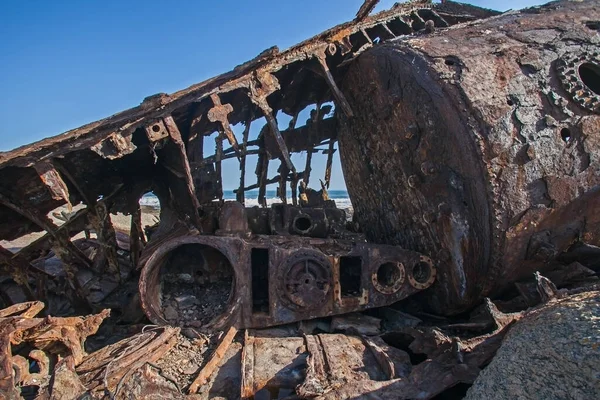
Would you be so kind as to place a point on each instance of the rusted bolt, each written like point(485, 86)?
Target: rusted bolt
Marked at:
point(331, 49)
point(413, 181)
point(429, 218)
point(428, 168)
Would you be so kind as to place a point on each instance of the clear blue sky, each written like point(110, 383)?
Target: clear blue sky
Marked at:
point(66, 63)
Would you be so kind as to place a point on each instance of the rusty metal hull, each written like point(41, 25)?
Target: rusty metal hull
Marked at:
point(479, 146)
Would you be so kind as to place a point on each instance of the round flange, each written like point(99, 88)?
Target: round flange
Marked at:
point(389, 277)
point(307, 278)
point(422, 274)
point(303, 224)
point(580, 77)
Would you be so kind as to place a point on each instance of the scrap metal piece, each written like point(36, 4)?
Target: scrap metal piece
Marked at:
point(106, 369)
point(116, 145)
point(337, 93)
point(365, 9)
point(156, 131)
point(219, 114)
point(240, 193)
point(52, 179)
point(18, 325)
point(212, 364)
point(176, 161)
point(247, 366)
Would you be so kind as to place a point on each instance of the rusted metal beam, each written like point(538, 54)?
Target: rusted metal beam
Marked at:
point(247, 381)
point(240, 193)
point(195, 145)
point(218, 164)
point(329, 164)
point(265, 84)
point(262, 171)
point(178, 161)
point(64, 171)
point(52, 179)
point(214, 361)
point(365, 9)
point(307, 167)
point(105, 231)
point(219, 114)
point(136, 235)
point(45, 223)
point(337, 93)
point(77, 223)
point(99, 217)
point(283, 175)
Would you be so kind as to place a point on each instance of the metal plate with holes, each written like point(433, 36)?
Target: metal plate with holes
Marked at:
point(156, 131)
point(388, 277)
point(422, 275)
point(307, 279)
point(580, 76)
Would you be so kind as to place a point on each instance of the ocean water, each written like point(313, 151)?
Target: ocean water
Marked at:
point(341, 198)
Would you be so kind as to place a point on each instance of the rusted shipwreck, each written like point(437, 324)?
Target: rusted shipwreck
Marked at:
point(468, 141)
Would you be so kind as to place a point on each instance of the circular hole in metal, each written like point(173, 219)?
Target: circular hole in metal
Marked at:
point(449, 61)
point(302, 223)
point(510, 102)
point(565, 135)
point(196, 283)
point(388, 274)
point(421, 272)
point(590, 76)
point(156, 128)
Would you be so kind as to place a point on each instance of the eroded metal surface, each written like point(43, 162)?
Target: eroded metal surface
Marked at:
point(209, 265)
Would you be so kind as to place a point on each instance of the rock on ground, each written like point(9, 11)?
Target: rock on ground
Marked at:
point(551, 354)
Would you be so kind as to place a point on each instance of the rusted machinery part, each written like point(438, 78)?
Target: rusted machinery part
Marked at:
point(150, 283)
point(46, 336)
point(306, 280)
point(214, 361)
point(26, 310)
point(479, 146)
point(272, 280)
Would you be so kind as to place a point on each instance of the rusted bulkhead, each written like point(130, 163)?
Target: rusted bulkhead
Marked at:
point(479, 146)
point(275, 279)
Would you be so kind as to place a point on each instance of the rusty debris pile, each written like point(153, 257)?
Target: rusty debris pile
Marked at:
point(469, 145)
